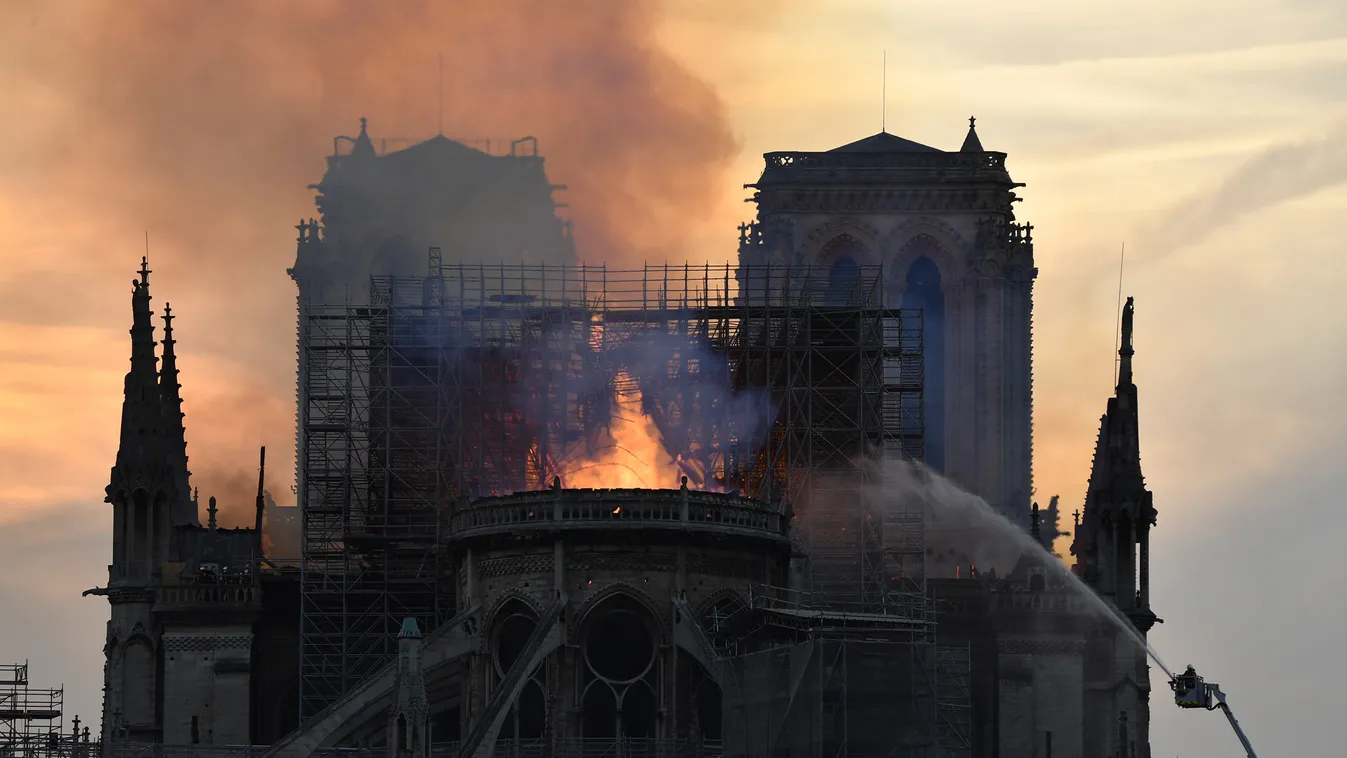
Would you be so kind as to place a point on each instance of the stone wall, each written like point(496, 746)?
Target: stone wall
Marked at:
point(206, 685)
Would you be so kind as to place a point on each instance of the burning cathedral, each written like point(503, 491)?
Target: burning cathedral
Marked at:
point(559, 509)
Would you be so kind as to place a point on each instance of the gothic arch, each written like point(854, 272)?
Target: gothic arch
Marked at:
point(489, 621)
point(612, 591)
point(715, 598)
point(827, 233)
point(621, 646)
point(924, 236)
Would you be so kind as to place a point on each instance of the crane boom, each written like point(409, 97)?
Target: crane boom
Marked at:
point(1230, 715)
point(1190, 691)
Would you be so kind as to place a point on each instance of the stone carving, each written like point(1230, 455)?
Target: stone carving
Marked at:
point(514, 565)
point(826, 232)
point(206, 643)
point(623, 562)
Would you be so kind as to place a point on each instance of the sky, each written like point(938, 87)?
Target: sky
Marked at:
point(1212, 143)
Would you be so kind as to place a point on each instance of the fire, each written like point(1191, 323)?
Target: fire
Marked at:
point(636, 457)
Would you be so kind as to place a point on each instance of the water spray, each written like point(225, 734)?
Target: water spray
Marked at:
point(917, 483)
point(913, 482)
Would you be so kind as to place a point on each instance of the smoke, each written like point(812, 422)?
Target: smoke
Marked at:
point(1276, 175)
point(963, 522)
point(223, 450)
point(691, 399)
point(673, 412)
point(211, 118)
point(205, 122)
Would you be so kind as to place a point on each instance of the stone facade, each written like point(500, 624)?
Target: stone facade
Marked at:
point(597, 586)
point(942, 225)
point(618, 563)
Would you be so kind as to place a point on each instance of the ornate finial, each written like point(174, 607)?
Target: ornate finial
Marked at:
point(1076, 517)
point(972, 121)
point(212, 510)
point(168, 316)
point(363, 123)
point(1035, 521)
point(144, 270)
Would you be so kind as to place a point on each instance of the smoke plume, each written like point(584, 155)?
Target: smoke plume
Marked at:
point(205, 122)
point(1276, 175)
point(211, 118)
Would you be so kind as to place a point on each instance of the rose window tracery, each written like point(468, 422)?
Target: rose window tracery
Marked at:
point(620, 673)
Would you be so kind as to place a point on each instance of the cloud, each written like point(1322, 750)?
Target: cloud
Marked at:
point(1276, 175)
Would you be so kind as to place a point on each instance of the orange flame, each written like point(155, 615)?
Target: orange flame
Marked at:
point(636, 457)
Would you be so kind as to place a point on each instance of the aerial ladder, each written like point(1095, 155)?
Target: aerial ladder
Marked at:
point(1190, 691)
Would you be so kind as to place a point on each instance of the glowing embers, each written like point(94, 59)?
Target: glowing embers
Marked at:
point(621, 672)
point(527, 719)
point(633, 456)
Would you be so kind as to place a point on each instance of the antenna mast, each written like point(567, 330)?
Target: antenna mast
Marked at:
point(884, 94)
point(439, 120)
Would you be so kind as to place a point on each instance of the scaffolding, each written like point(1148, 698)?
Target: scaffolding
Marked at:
point(31, 720)
point(779, 383)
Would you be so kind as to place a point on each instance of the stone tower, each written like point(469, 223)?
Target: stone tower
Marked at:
point(942, 225)
point(183, 598)
point(383, 210)
point(1112, 551)
point(149, 497)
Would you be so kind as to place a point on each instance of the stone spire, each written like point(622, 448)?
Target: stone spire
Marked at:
point(182, 509)
point(971, 143)
point(141, 433)
point(1112, 542)
point(409, 716)
point(363, 147)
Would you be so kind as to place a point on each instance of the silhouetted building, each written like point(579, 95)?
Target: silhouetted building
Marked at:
point(883, 303)
point(193, 631)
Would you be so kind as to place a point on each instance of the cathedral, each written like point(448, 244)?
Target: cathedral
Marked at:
point(546, 620)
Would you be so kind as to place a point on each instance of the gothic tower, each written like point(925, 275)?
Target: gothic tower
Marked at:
point(176, 640)
point(942, 226)
point(148, 493)
point(1112, 550)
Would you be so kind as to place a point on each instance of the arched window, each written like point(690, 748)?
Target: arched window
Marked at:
point(842, 256)
point(621, 672)
point(527, 719)
point(925, 293)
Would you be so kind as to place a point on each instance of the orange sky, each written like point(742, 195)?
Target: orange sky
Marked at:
point(1210, 143)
